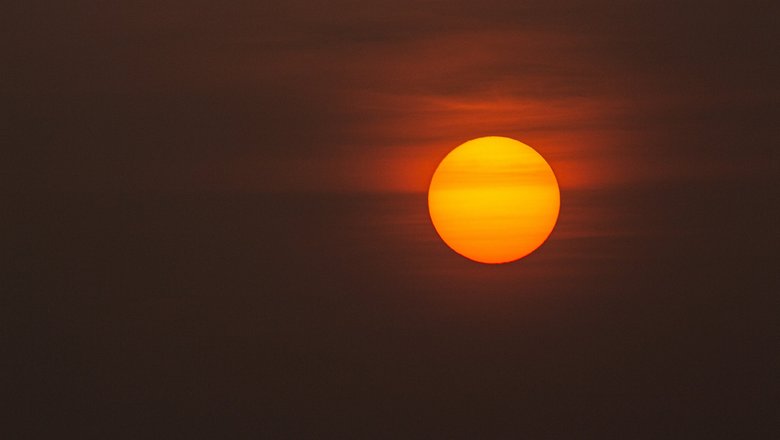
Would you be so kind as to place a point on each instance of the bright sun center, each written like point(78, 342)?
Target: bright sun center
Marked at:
point(494, 200)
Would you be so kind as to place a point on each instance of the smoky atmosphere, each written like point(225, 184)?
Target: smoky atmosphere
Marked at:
point(219, 220)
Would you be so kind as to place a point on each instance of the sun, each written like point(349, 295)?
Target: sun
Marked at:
point(494, 200)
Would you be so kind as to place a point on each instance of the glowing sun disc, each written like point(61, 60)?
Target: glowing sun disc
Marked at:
point(494, 200)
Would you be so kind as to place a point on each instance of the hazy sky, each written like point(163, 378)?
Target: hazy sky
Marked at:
point(215, 219)
point(367, 96)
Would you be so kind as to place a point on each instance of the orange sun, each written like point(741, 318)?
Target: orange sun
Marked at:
point(494, 200)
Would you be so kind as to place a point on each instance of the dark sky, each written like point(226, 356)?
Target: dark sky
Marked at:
point(216, 220)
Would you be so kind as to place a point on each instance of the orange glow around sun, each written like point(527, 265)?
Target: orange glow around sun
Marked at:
point(494, 200)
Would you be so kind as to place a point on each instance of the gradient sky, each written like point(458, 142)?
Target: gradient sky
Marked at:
point(216, 223)
point(368, 96)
